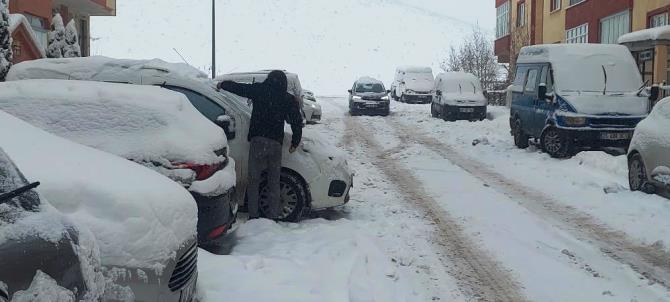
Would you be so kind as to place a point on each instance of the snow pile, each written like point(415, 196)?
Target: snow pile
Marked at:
point(43, 289)
point(316, 260)
point(650, 34)
point(139, 217)
point(141, 123)
point(91, 68)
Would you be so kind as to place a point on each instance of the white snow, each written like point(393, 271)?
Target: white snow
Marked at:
point(56, 38)
point(217, 184)
point(141, 123)
point(18, 19)
point(650, 34)
point(43, 289)
point(139, 217)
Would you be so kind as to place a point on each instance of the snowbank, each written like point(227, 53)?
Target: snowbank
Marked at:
point(650, 34)
point(316, 260)
point(139, 217)
point(141, 123)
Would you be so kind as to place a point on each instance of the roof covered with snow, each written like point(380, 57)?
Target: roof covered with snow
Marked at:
point(368, 80)
point(415, 69)
point(558, 53)
point(18, 19)
point(139, 217)
point(650, 34)
point(142, 123)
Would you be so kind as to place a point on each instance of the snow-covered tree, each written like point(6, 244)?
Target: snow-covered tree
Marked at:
point(72, 48)
point(56, 38)
point(5, 40)
point(475, 56)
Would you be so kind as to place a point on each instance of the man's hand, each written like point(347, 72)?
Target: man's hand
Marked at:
point(292, 148)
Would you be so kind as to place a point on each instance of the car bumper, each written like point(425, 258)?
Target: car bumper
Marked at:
point(418, 98)
point(372, 106)
point(464, 112)
point(332, 187)
point(214, 212)
point(599, 138)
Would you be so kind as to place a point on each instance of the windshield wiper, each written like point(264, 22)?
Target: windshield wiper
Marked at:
point(474, 89)
point(644, 85)
point(6, 197)
point(460, 89)
point(605, 73)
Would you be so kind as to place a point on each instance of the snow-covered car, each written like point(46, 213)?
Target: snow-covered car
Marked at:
point(413, 84)
point(308, 94)
point(143, 223)
point(458, 95)
point(311, 111)
point(152, 126)
point(649, 151)
point(368, 95)
point(314, 177)
point(69, 264)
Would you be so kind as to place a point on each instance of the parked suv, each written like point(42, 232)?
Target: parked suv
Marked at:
point(154, 127)
point(40, 245)
point(413, 84)
point(458, 95)
point(314, 177)
point(649, 152)
point(369, 95)
point(573, 97)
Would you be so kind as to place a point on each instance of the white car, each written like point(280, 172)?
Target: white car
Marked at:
point(152, 126)
point(458, 95)
point(311, 110)
point(144, 223)
point(649, 151)
point(315, 177)
point(413, 84)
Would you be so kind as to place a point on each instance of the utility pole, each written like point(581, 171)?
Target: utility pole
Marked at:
point(213, 39)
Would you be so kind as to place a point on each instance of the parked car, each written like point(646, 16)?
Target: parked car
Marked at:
point(314, 177)
point(458, 95)
point(39, 246)
point(574, 97)
point(151, 126)
point(413, 84)
point(144, 223)
point(369, 95)
point(311, 110)
point(649, 152)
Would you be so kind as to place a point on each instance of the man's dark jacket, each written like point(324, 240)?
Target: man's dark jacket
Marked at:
point(272, 106)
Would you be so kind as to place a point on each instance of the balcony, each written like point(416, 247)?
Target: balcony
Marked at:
point(90, 7)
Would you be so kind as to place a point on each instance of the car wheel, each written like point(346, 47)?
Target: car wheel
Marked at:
point(387, 112)
point(520, 138)
point(637, 175)
point(555, 143)
point(293, 196)
point(402, 99)
point(353, 112)
point(433, 111)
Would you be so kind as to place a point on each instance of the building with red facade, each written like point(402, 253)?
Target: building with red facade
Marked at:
point(31, 21)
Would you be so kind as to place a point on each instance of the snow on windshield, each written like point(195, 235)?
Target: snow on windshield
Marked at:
point(139, 217)
point(142, 123)
point(369, 87)
point(461, 83)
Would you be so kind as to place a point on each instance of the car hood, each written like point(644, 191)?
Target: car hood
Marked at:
point(598, 104)
point(371, 95)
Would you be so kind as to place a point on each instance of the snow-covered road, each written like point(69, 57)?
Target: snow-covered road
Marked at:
point(453, 212)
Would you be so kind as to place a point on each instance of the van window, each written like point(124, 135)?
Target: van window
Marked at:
point(207, 107)
point(545, 77)
point(531, 80)
point(520, 77)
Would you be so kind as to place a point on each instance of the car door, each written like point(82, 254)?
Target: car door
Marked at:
point(543, 108)
point(657, 154)
point(521, 104)
point(532, 124)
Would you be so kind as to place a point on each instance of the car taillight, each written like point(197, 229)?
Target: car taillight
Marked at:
point(202, 172)
point(217, 232)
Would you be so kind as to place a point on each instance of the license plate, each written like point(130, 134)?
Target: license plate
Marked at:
point(188, 292)
point(371, 104)
point(614, 135)
point(467, 110)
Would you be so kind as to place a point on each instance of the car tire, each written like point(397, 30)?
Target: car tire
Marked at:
point(434, 112)
point(402, 99)
point(387, 112)
point(520, 138)
point(293, 194)
point(555, 143)
point(637, 175)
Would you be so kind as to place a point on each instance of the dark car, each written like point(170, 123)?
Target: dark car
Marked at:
point(37, 239)
point(368, 95)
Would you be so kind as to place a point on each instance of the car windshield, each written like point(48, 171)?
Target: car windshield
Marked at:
point(369, 87)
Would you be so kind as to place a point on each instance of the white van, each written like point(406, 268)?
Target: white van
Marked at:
point(413, 84)
point(458, 95)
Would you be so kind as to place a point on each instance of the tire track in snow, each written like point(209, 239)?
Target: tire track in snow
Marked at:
point(478, 275)
point(651, 262)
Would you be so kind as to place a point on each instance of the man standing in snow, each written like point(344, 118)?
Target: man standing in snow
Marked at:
point(272, 106)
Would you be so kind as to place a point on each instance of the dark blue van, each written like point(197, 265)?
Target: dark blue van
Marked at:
point(574, 97)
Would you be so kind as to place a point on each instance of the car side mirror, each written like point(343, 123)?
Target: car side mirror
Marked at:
point(438, 92)
point(388, 91)
point(403, 82)
point(227, 123)
point(350, 91)
point(542, 92)
point(654, 93)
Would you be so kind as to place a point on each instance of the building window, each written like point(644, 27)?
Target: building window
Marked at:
point(521, 14)
point(579, 34)
point(612, 27)
point(555, 5)
point(39, 28)
point(502, 20)
point(575, 2)
point(658, 20)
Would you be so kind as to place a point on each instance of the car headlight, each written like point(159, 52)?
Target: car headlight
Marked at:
point(574, 120)
point(313, 106)
point(385, 98)
point(357, 98)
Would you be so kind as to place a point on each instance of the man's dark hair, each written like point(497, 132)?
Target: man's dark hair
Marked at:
point(277, 81)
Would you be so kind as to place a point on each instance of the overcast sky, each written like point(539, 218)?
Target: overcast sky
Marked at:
point(329, 43)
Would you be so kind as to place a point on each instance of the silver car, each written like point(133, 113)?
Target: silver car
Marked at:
point(649, 151)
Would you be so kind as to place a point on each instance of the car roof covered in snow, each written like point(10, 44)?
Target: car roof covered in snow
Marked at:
point(415, 69)
point(449, 81)
point(368, 80)
point(559, 53)
point(139, 217)
point(650, 34)
point(142, 123)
